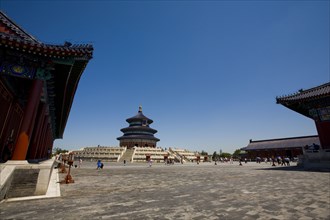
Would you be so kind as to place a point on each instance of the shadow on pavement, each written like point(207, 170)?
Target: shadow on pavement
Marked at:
point(296, 168)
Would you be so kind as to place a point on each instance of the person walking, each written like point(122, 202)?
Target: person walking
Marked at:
point(150, 162)
point(99, 165)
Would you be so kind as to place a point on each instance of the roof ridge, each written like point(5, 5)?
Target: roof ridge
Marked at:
point(16, 28)
point(314, 88)
point(302, 91)
point(73, 46)
point(280, 139)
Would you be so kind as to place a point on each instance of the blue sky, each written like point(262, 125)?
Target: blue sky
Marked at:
point(206, 72)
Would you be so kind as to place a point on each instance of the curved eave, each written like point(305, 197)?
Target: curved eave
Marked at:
point(146, 137)
point(297, 107)
point(66, 82)
point(139, 117)
point(64, 77)
point(46, 50)
point(303, 106)
point(304, 100)
point(139, 128)
point(312, 94)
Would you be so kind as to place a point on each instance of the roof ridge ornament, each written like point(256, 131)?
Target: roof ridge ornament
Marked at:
point(140, 108)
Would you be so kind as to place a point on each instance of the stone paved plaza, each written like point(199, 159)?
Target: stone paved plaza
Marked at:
point(189, 191)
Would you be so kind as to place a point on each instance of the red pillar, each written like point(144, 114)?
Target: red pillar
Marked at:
point(41, 139)
point(37, 131)
point(23, 141)
point(47, 146)
point(4, 138)
point(323, 130)
point(39, 142)
point(44, 146)
point(49, 143)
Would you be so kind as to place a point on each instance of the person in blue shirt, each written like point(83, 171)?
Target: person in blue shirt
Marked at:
point(99, 165)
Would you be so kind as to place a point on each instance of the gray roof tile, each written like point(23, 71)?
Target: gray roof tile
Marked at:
point(292, 142)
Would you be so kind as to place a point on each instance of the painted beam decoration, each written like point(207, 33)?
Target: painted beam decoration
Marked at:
point(324, 114)
point(320, 114)
point(58, 66)
point(18, 70)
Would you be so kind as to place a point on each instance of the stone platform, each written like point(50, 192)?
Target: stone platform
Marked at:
point(188, 191)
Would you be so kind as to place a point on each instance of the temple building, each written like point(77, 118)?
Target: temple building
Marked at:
point(312, 151)
point(38, 82)
point(138, 134)
point(290, 147)
point(313, 103)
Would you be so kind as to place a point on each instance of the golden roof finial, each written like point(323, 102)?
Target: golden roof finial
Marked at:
point(140, 108)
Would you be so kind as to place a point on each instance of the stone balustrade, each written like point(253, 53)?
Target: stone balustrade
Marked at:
point(104, 153)
point(114, 154)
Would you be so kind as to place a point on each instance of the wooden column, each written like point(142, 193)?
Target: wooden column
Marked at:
point(44, 142)
point(49, 142)
point(323, 130)
point(39, 142)
point(37, 131)
point(6, 103)
point(22, 144)
point(41, 139)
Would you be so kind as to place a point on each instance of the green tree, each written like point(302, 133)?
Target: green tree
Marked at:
point(224, 154)
point(215, 156)
point(236, 153)
point(204, 153)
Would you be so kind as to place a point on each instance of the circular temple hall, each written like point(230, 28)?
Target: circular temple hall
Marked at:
point(138, 134)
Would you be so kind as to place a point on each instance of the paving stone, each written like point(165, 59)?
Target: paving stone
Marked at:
point(188, 191)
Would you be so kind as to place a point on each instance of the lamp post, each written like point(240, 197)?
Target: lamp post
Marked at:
point(63, 158)
point(68, 177)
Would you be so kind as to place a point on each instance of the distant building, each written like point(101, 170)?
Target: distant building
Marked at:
point(138, 134)
point(100, 152)
point(136, 154)
point(185, 155)
point(285, 147)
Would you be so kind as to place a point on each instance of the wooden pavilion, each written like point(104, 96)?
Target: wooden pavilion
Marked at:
point(38, 82)
point(313, 103)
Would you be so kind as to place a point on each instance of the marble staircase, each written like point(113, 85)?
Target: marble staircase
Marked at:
point(24, 183)
point(128, 156)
